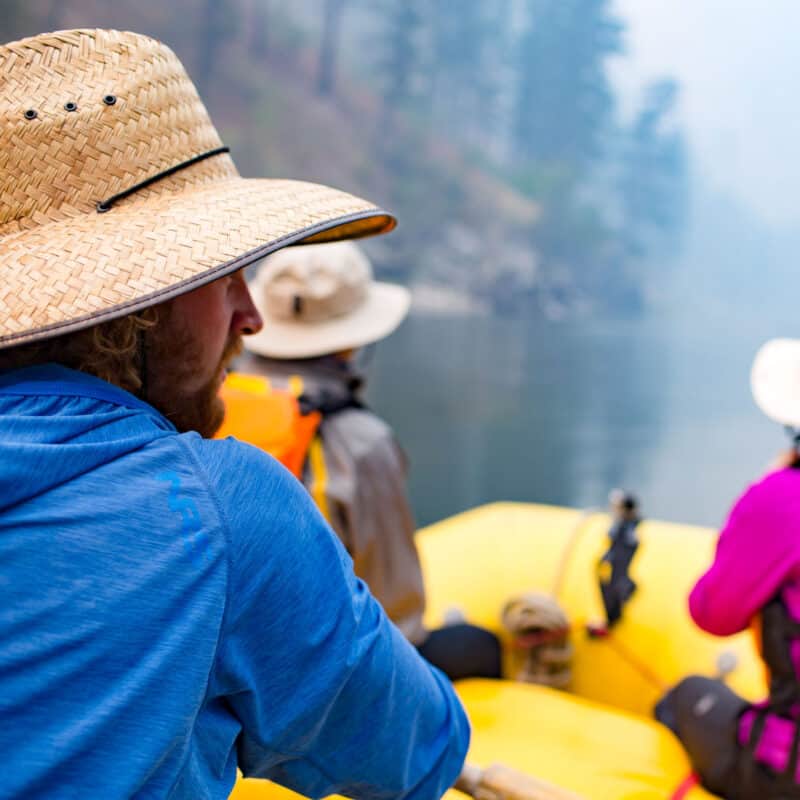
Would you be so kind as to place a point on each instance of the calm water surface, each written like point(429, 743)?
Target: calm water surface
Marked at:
point(512, 409)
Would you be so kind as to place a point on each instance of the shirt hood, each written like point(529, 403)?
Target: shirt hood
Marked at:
point(57, 423)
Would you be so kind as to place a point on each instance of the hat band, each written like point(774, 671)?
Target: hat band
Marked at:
point(106, 205)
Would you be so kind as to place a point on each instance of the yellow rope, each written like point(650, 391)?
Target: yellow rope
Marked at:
point(633, 661)
point(569, 548)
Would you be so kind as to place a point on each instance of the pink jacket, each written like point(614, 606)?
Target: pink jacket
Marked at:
point(758, 555)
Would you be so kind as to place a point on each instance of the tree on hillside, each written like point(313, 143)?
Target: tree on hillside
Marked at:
point(400, 48)
point(563, 115)
point(468, 42)
point(654, 175)
point(217, 22)
point(256, 28)
point(331, 23)
point(564, 101)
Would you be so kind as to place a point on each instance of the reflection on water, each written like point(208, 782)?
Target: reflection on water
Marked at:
point(495, 409)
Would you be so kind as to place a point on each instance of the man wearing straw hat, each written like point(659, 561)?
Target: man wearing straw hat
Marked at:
point(321, 308)
point(172, 607)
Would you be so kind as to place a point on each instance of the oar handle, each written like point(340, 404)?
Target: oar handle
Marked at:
point(499, 782)
point(469, 780)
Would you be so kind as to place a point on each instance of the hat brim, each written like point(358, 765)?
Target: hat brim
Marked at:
point(76, 272)
point(384, 308)
point(775, 381)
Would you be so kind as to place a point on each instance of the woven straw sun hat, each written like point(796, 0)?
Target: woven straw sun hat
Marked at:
point(775, 381)
point(116, 191)
point(321, 298)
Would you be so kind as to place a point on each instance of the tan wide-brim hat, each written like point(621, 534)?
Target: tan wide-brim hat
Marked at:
point(775, 381)
point(321, 299)
point(117, 193)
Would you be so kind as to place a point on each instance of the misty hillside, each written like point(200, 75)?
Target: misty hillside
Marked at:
point(489, 127)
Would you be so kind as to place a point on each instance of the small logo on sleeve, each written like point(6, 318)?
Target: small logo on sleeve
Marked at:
point(195, 539)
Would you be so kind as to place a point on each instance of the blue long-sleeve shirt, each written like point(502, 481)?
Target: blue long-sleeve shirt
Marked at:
point(172, 607)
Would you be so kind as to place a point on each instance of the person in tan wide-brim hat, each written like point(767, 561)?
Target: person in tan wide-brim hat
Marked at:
point(174, 608)
point(742, 749)
point(320, 299)
point(321, 306)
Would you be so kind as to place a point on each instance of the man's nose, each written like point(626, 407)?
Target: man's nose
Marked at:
point(247, 319)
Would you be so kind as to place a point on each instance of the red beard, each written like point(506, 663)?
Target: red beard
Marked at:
point(172, 361)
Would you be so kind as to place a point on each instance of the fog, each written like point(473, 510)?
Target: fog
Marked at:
point(738, 63)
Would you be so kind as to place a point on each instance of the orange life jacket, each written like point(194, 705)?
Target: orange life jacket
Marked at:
point(268, 417)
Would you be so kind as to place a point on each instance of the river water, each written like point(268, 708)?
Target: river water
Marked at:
point(561, 412)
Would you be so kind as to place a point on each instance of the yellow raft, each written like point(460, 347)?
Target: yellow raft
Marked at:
point(597, 739)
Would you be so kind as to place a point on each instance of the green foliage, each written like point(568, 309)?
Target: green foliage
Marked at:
point(400, 46)
point(216, 23)
point(329, 45)
point(653, 183)
point(564, 101)
point(468, 55)
point(611, 197)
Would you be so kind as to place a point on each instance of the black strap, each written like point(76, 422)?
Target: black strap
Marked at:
point(778, 631)
point(756, 731)
point(328, 403)
point(791, 767)
point(105, 205)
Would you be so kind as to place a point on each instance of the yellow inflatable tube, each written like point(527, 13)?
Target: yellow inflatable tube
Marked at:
point(595, 751)
point(475, 561)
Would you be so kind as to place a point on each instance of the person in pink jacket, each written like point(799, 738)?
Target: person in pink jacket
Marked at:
point(739, 749)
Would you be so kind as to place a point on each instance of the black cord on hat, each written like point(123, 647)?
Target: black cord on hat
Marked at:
point(105, 205)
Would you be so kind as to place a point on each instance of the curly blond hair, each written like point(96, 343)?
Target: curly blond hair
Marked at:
point(111, 350)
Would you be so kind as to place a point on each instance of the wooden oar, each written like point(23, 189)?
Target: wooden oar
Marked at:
point(499, 782)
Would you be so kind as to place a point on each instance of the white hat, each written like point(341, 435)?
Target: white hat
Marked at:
point(775, 381)
point(321, 298)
